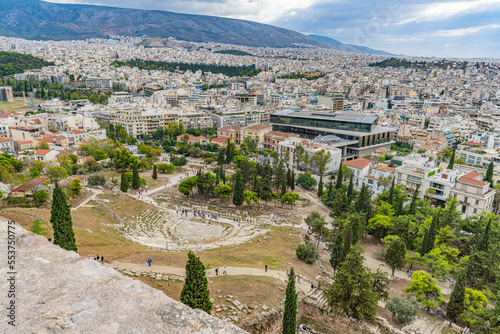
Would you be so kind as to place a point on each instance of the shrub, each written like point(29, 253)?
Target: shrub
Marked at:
point(306, 180)
point(36, 227)
point(307, 253)
point(96, 179)
point(40, 196)
point(208, 161)
point(179, 161)
point(404, 310)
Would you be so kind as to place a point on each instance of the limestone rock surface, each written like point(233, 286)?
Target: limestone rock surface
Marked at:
point(61, 292)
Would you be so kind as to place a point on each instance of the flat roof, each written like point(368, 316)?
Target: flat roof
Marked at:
point(376, 129)
point(340, 117)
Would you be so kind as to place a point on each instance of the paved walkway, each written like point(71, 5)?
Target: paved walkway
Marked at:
point(231, 271)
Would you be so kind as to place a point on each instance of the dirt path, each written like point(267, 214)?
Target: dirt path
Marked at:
point(88, 199)
point(231, 271)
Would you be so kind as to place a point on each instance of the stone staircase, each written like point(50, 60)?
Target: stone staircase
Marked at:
point(318, 299)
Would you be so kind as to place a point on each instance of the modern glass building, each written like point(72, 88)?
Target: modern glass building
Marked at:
point(362, 133)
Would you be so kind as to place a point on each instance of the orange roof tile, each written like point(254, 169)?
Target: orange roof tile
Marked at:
point(358, 163)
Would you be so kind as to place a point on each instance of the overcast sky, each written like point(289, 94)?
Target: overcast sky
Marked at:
point(439, 28)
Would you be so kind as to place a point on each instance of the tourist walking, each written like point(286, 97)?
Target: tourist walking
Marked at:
point(97, 258)
point(224, 272)
point(102, 258)
point(266, 268)
point(90, 256)
point(216, 271)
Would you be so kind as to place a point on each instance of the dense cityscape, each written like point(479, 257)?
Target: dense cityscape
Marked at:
point(309, 189)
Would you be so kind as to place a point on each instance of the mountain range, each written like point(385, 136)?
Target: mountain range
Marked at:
point(347, 47)
point(35, 19)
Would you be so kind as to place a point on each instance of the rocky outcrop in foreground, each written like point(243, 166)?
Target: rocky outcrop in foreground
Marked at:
point(60, 292)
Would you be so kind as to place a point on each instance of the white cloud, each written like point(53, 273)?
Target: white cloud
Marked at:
point(465, 31)
point(443, 10)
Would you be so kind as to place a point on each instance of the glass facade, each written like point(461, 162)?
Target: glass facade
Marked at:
point(322, 123)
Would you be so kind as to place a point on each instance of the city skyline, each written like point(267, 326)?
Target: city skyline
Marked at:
point(452, 29)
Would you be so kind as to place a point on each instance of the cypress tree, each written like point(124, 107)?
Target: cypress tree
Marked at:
point(452, 160)
point(429, 237)
point(329, 193)
point(338, 183)
point(283, 189)
point(350, 189)
point(320, 187)
point(456, 303)
point(400, 210)
point(336, 252)
point(413, 204)
point(288, 178)
point(484, 243)
point(136, 182)
point(239, 189)
point(432, 234)
point(292, 183)
point(229, 152)
point(290, 307)
point(489, 174)
point(391, 192)
point(346, 247)
point(195, 292)
point(124, 183)
point(423, 247)
point(61, 221)
point(155, 173)
point(217, 179)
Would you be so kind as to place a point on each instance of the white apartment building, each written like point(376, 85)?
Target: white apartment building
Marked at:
point(359, 168)
point(143, 121)
point(119, 98)
point(99, 84)
point(480, 157)
point(377, 173)
point(196, 120)
point(439, 185)
point(473, 194)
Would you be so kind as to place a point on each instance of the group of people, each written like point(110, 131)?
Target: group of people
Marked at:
point(97, 258)
point(201, 214)
point(409, 273)
point(224, 272)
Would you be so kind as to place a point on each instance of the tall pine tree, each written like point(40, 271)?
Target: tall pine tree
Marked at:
point(61, 221)
point(124, 183)
point(320, 187)
point(195, 292)
point(290, 308)
point(292, 183)
point(155, 173)
point(239, 189)
point(136, 181)
point(456, 303)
